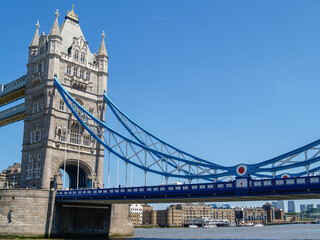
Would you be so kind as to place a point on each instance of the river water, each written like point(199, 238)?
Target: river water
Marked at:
point(292, 231)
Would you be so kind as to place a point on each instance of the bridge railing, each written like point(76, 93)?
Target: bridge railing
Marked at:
point(220, 189)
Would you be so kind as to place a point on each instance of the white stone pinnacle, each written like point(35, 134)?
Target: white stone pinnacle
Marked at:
point(56, 13)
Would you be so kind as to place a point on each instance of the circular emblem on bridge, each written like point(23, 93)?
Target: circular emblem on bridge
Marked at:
point(242, 170)
point(285, 176)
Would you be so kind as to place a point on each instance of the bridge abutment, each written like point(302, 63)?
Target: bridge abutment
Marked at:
point(34, 213)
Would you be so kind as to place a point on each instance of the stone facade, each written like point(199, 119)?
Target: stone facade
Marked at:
point(26, 212)
point(34, 212)
point(52, 135)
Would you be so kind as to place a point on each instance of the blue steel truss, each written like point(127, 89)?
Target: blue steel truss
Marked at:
point(151, 154)
point(13, 86)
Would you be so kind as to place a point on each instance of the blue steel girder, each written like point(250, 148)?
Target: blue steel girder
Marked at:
point(12, 91)
point(13, 114)
point(149, 153)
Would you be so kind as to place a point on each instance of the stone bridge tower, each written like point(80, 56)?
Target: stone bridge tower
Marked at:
point(52, 136)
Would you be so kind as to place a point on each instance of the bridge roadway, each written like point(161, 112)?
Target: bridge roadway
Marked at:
point(242, 189)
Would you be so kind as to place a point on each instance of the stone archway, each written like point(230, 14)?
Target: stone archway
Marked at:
point(71, 169)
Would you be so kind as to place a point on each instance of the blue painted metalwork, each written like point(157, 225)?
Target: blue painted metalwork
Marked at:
point(13, 86)
point(182, 164)
point(11, 112)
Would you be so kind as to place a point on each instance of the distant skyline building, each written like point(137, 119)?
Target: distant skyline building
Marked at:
point(309, 206)
point(291, 207)
point(302, 207)
point(275, 205)
point(280, 204)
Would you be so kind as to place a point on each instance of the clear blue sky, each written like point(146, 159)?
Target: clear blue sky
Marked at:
point(228, 81)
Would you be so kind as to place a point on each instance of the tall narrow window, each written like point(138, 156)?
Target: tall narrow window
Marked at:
point(41, 105)
point(88, 76)
point(81, 74)
point(61, 105)
point(76, 55)
point(38, 136)
point(63, 136)
point(30, 167)
point(86, 140)
point(75, 71)
point(34, 108)
point(82, 58)
point(33, 136)
point(69, 70)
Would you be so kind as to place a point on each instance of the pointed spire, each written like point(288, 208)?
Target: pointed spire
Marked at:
point(55, 30)
point(102, 50)
point(35, 40)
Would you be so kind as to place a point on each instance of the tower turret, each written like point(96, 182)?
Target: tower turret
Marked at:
point(103, 59)
point(55, 37)
point(103, 56)
point(33, 48)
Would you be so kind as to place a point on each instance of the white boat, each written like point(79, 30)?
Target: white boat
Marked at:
point(259, 225)
point(193, 226)
point(210, 226)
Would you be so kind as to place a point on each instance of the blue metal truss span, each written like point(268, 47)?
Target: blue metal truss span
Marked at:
point(143, 150)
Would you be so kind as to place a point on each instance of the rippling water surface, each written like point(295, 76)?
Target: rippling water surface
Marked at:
point(294, 231)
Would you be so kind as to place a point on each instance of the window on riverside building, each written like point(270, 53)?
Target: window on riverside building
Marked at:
point(88, 76)
point(82, 58)
point(76, 55)
point(75, 71)
point(81, 74)
point(69, 70)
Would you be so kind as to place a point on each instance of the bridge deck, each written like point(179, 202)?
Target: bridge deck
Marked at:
point(254, 190)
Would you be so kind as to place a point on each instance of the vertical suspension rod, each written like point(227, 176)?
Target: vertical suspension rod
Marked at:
point(65, 149)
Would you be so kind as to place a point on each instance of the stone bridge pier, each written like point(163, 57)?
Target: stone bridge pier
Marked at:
point(35, 213)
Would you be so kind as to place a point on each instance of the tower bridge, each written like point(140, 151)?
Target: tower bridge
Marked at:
point(65, 101)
